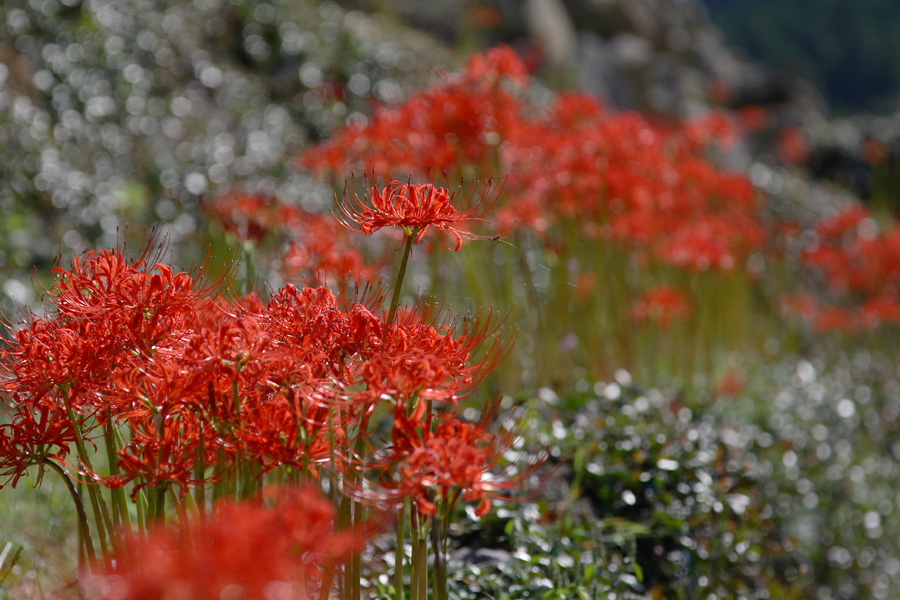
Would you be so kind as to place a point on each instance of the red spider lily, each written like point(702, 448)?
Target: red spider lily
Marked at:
point(455, 461)
point(429, 354)
point(662, 305)
point(624, 178)
point(494, 65)
point(50, 355)
point(300, 429)
point(283, 550)
point(752, 118)
point(854, 256)
point(620, 176)
point(314, 328)
point(316, 247)
point(33, 437)
point(414, 208)
point(846, 221)
point(249, 217)
point(106, 310)
point(878, 310)
point(460, 120)
point(163, 450)
point(711, 242)
point(136, 294)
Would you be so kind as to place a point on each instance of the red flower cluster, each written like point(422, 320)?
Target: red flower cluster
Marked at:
point(307, 246)
point(459, 121)
point(283, 547)
point(33, 438)
point(454, 461)
point(197, 385)
point(861, 269)
point(640, 184)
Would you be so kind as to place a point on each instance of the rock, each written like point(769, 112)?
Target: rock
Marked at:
point(552, 28)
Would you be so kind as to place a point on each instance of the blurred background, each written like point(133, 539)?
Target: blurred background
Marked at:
point(770, 475)
point(130, 112)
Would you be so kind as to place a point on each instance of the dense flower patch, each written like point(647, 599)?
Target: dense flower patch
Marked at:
point(306, 419)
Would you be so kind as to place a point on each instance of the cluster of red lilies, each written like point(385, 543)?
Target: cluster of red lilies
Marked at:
point(149, 390)
point(188, 397)
point(858, 267)
point(647, 186)
point(621, 178)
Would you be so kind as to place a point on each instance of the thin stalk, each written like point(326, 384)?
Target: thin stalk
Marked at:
point(117, 495)
point(535, 319)
point(344, 514)
point(356, 558)
point(84, 531)
point(140, 512)
point(159, 509)
point(219, 488)
point(398, 282)
point(421, 554)
point(325, 590)
point(440, 567)
point(101, 517)
point(199, 478)
point(399, 553)
point(179, 506)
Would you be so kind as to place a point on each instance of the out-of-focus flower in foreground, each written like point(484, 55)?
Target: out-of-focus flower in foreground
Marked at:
point(244, 550)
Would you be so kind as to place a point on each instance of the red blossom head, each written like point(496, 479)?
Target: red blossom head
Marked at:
point(454, 461)
point(33, 437)
point(416, 207)
point(248, 549)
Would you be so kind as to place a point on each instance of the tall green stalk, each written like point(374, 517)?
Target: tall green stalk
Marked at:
point(101, 515)
point(440, 563)
point(84, 532)
point(398, 281)
point(117, 495)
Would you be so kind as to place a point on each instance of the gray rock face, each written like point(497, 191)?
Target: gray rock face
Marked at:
point(551, 26)
point(665, 57)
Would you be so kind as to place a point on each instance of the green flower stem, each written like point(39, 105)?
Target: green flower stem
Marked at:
point(101, 516)
point(420, 551)
point(535, 319)
point(199, 476)
point(440, 566)
point(117, 495)
point(327, 579)
point(140, 504)
point(343, 522)
point(84, 532)
point(398, 282)
point(159, 507)
point(399, 553)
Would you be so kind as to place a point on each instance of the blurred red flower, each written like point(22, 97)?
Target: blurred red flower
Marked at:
point(281, 545)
